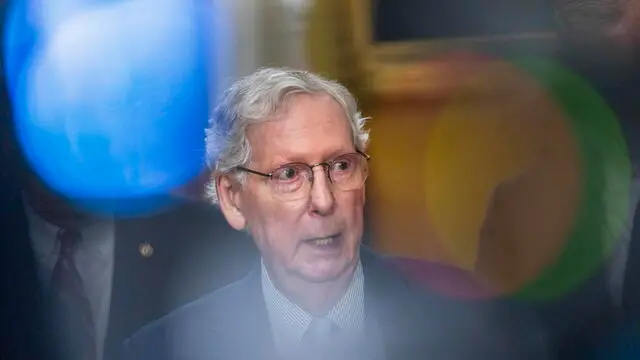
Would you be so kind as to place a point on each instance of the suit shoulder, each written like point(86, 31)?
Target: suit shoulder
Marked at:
point(188, 331)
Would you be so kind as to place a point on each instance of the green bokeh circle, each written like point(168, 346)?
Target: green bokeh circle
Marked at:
point(606, 178)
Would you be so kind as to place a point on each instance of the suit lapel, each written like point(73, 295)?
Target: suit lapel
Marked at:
point(378, 309)
point(136, 286)
point(24, 311)
point(252, 324)
point(188, 252)
point(392, 310)
point(120, 295)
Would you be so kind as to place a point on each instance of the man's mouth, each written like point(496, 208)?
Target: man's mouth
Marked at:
point(325, 242)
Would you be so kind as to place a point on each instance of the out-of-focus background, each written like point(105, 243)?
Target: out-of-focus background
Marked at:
point(487, 135)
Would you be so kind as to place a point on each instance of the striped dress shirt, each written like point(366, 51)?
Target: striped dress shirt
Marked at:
point(289, 322)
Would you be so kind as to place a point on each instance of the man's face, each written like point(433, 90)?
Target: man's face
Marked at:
point(313, 129)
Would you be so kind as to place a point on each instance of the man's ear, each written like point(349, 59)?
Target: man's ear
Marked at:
point(229, 199)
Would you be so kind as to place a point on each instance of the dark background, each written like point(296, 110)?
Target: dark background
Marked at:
point(402, 20)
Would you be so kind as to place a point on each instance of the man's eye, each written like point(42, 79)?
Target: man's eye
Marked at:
point(342, 165)
point(287, 174)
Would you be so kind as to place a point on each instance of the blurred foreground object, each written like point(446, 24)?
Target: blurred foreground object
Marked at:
point(111, 98)
point(606, 30)
point(555, 144)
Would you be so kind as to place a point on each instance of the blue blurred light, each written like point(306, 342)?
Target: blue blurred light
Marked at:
point(19, 41)
point(111, 98)
point(27, 26)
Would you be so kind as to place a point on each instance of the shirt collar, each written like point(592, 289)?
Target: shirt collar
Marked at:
point(43, 234)
point(289, 322)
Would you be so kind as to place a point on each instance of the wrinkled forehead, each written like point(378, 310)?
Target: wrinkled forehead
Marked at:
point(310, 128)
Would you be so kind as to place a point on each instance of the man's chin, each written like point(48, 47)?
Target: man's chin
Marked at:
point(321, 273)
point(320, 278)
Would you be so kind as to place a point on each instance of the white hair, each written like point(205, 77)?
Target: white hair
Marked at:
point(257, 98)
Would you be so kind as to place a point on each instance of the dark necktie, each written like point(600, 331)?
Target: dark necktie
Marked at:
point(319, 331)
point(75, 319)
point(317, 338)
point(325, 340)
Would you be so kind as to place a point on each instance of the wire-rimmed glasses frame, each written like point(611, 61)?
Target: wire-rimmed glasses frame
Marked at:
point(294, 180)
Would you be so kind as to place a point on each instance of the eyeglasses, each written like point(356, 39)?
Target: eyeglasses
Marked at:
point(293, 181)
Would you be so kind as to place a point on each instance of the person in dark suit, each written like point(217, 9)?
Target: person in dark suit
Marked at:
point(65, 271)
point(117, 275)
point(600, 43)
point(289, 153)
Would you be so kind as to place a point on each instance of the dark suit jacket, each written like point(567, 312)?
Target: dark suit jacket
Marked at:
point(194, 252)
point(232, 323)
point(586, 319)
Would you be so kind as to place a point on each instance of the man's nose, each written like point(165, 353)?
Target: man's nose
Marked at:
point(322, 199)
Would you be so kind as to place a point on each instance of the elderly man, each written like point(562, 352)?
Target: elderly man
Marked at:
point(288, 149)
